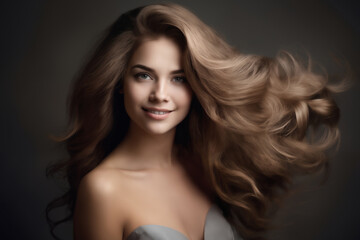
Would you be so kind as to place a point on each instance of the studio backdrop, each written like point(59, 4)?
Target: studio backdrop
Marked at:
point(45, 43)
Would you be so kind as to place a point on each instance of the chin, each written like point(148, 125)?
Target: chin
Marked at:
point(159, 131)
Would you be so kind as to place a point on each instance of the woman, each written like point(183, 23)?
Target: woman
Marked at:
point(176, 135)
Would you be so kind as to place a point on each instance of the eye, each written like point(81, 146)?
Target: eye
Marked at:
point(179, 79)
point(143, 76)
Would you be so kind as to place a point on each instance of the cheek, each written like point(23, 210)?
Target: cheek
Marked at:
point(131, 99)
point(184, 97)
point(133, 94)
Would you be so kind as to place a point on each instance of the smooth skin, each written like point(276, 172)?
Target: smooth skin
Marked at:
point(141, 182)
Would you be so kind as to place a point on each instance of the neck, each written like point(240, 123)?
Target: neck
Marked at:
point(142, 150)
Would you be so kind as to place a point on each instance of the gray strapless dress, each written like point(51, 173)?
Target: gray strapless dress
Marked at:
point(216, 228)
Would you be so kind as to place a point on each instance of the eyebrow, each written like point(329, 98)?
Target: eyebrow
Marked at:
point(153, 71)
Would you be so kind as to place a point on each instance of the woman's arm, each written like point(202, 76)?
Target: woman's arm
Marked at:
point(97, 209)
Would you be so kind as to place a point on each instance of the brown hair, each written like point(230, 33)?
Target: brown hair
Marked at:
point(247, 128)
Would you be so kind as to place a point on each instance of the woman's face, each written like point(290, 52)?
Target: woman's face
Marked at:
point(156, 95)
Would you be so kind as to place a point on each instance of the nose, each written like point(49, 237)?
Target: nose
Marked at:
point(159, 92)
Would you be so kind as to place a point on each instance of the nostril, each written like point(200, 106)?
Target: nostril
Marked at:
point(158, 96)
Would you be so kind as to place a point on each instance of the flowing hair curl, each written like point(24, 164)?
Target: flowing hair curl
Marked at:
point(247, 130)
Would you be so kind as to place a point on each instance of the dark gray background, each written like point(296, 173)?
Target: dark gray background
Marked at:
point(43, 44)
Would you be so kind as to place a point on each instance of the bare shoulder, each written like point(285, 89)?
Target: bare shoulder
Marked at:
point(110, 183)
point(99, 207)
point(99, 183)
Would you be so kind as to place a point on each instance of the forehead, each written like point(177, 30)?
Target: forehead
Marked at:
point(160, 53)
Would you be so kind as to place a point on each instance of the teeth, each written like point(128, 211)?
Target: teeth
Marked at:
point(158, 112)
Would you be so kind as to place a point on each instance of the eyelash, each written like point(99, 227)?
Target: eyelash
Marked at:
point(179, 79)
point(141, 76)
point(176, 79)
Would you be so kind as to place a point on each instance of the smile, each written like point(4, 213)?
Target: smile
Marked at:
point(157, 114)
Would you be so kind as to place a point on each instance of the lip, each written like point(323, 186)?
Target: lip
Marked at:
point(157, 113)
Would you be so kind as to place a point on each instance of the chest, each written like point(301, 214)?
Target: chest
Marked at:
point(172, 202)
point(216, 227)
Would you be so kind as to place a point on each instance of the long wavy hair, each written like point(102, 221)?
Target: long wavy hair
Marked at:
point(248, 129)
